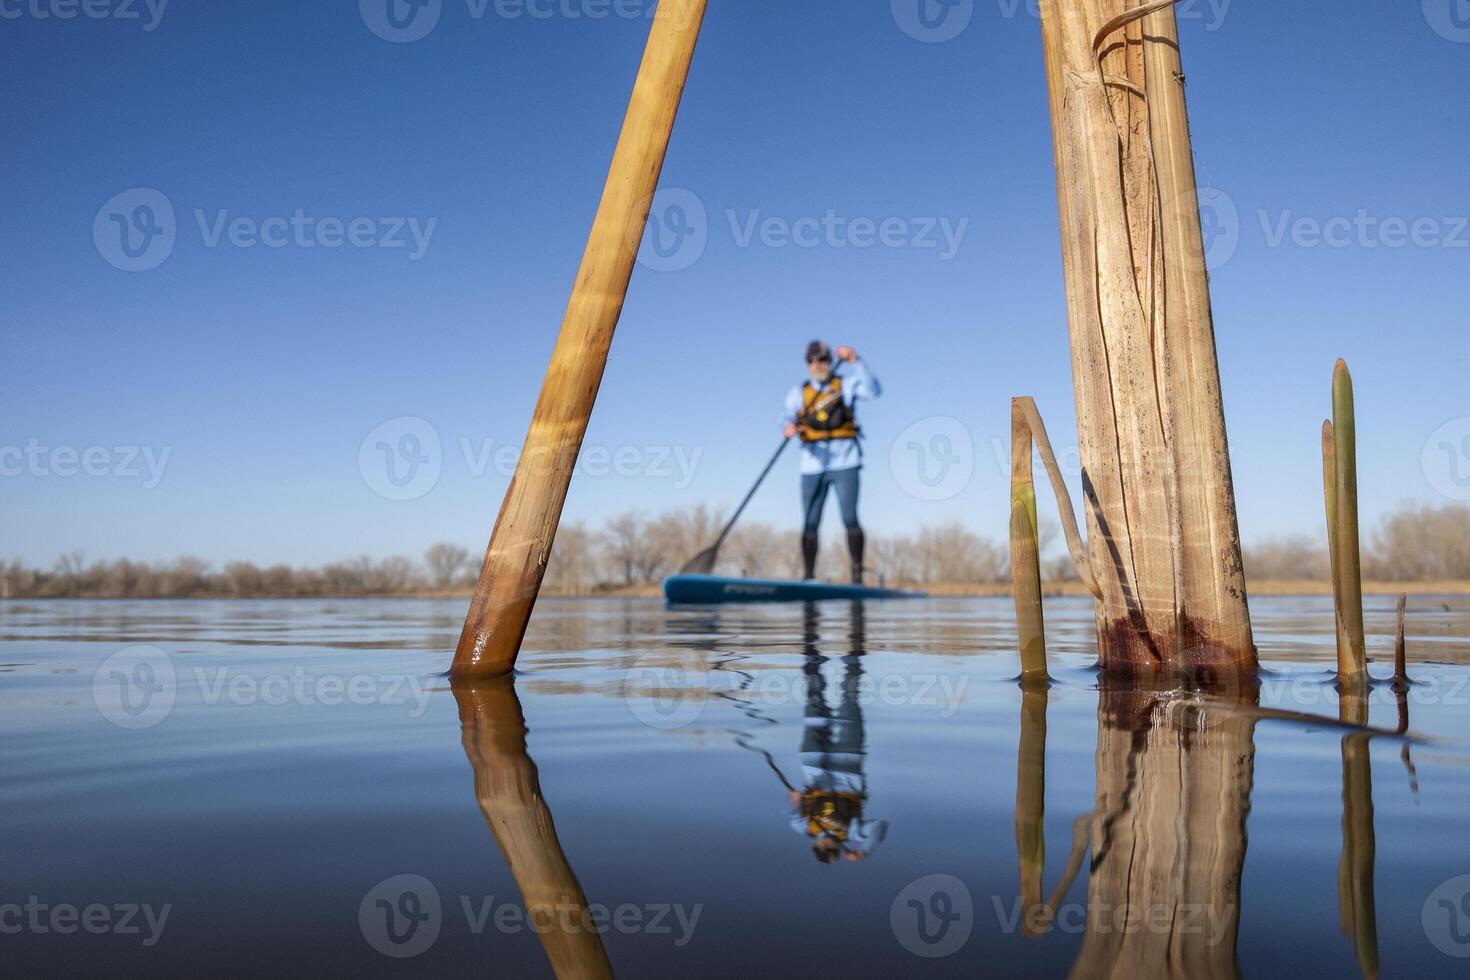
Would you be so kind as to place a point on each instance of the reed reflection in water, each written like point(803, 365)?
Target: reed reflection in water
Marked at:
point(1168, 834)
point(508, 789)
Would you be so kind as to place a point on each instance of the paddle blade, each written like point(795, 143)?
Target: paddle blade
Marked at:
point(702, 563)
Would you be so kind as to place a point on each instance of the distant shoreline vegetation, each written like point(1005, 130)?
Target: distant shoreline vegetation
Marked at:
point(631, 553)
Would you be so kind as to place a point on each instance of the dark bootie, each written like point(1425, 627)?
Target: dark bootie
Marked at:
point(855, 542)
point(809, 555)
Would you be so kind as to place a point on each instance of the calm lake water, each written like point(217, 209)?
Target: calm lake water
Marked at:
point(269, 788)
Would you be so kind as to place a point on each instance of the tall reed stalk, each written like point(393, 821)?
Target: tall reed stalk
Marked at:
point(1161, 518)
point(1340, 486)
point(520, 544)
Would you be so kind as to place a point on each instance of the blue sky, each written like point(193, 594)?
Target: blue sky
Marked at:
point(428, 201)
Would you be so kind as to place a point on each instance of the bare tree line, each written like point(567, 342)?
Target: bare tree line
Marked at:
point(1417, 542)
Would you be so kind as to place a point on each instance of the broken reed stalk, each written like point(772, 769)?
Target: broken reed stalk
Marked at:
point(1026, 429)
point(1347, 576)
point(1400, 649)
point(515, 561)
point(1026, 585)
point(1162, 528)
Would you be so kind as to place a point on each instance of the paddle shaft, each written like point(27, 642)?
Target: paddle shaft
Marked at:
point(744, 503)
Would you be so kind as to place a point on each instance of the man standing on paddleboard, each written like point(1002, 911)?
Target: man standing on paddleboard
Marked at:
point(823, 412)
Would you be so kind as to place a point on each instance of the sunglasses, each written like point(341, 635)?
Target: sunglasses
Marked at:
point(819, 360)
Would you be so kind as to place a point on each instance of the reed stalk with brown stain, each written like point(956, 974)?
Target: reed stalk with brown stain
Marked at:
point(1162, 531)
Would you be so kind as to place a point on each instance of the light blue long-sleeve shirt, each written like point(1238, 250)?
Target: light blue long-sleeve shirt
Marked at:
point(828, 456)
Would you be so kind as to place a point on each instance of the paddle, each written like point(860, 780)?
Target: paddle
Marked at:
point(704, 562)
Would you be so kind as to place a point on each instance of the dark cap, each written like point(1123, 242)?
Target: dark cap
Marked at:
point(816, 351)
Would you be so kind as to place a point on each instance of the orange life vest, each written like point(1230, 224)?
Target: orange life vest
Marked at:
point(824, 415)
point(830, 813)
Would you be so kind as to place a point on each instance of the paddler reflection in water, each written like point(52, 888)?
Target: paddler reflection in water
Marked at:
point(829, 810)
point(823, 411)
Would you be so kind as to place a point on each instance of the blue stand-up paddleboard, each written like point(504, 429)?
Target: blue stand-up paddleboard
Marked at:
point(706, 589)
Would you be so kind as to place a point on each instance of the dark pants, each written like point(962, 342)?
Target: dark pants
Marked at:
point(814, 488)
